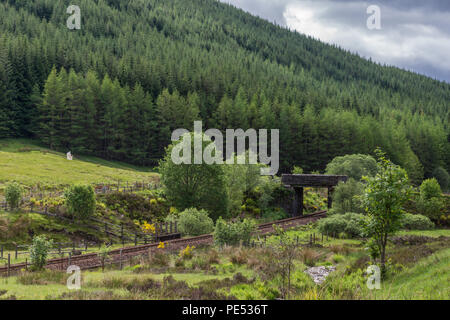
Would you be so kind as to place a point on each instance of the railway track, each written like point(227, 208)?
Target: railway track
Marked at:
point(92, 261)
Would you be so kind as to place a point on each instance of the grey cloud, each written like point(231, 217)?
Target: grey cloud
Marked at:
point(415, 34)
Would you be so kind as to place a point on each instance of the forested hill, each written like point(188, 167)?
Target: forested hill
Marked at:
point(138, 69)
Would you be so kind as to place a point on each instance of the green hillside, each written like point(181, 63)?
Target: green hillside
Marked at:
point(139, 69)
point(25, 162)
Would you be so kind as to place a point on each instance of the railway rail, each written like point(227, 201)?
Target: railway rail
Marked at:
point(92, 261)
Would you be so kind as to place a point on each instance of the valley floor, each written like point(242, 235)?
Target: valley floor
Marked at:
point(418, 269)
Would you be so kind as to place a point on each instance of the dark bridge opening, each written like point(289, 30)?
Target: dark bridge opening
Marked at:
point(299, 181)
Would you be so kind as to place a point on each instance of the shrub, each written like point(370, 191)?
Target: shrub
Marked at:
point(309, 257)
point(233, 233)
point(442, 177)
point(195, 222)
point(80, 201)
point(354, 166)
point(200, 263)
point(187, 253)
point(160, 259)
point(39, 252)
point(416, 222)
point(274, 215)
point(349, 223)
point(345, 197)
point(213, 257)
point(239, 257)
point(429, 189)
point(430, 201)
point(202, 186)
point(13, 195)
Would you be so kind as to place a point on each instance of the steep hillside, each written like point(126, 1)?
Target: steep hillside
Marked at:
point(143, 68)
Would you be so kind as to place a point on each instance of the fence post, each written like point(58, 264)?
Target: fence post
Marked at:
point(135, 239)
point(85, 246)
point(26, 264)
point(70, 258)
point(15, 257)
point(121, 233)
point(121, 259)
point(171, 227)
point(1, 251)
point(176, 226)
point(9, 264)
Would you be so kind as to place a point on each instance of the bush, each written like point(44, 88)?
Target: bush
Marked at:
point(416, 222)
point(274, 215)
point(345, 197)
point(39, 252)
point(195, 222)
point(430, 202)
point(429, 189)
point(349, 223)
point(233, 233)
point(203, 186)
point(80, 201)
point(442, 177)
point(354, 166)
point(13, 195)
point(187, 253)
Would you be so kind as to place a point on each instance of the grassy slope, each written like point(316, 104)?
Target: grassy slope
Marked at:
point(29, 164)
point(428, 280)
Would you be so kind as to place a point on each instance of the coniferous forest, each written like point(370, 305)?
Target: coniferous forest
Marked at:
point(139, 69)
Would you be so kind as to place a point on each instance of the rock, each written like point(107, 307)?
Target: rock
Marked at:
point(319, 274)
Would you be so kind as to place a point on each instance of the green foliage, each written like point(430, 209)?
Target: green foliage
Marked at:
point(202, 186)
point(13, 195)
point(346, 197)
point(443, 177)
point(354, 166)
point(136, 206)
point(80, 201)
point(241, 179)
point(297, 170)
point(233, 233)
point(274, 215)
point(431, 208)
point(156, 65)
point(416, 222)
point(429, 189)
point(39, 250)
point(195, 222)
point(350, 223)
point(430, 202)
point(383, 198)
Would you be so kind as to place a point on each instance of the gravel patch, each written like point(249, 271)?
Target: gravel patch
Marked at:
point(319, 274)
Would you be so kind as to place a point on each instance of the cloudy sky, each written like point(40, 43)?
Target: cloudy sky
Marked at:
point(414, 34)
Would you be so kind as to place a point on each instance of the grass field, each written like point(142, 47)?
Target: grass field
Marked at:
point(29, 164)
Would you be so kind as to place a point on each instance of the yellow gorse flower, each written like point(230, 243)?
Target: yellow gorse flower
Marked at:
point(148, 228)
point(161, 245)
